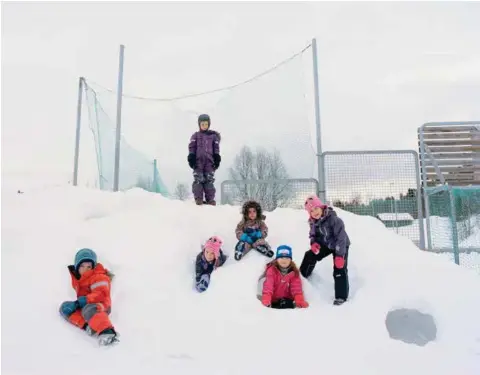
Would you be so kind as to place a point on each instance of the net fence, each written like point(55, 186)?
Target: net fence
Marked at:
point(271, 114)
point(454, 223)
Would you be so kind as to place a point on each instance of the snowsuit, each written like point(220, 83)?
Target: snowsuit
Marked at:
point(203, 270)
point(251, 234)
point(204, 159)
point(284, 287)
point(94, 286)
point(329, 232)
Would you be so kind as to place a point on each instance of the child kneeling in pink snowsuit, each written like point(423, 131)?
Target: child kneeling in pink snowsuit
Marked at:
point(210, 258)
point(282, 288)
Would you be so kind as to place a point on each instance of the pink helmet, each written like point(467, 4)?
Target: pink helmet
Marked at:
point(214, 244)
point(313, 202)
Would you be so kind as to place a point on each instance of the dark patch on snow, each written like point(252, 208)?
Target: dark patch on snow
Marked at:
point(411, 326)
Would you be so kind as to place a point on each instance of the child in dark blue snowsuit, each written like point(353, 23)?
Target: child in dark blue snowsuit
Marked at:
point(207, 261)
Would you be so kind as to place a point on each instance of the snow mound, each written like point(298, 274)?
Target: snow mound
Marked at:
point(150, 243)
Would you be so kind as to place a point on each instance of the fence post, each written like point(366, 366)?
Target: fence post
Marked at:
point(155, 180)
point(453, 221)
point(119, 120)
point(321, 172)
point(77, 132)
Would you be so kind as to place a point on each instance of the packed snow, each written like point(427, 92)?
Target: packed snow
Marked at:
point(166, 327)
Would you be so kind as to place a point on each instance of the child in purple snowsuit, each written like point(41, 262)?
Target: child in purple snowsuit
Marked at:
point(204, 159)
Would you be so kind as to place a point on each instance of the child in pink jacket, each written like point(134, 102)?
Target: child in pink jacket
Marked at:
point(282, 288)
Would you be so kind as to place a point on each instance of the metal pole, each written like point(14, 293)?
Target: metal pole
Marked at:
point(425, 187)
point(77, 132)
point(321, 172)
point(453, 221)
point(119, 119)
point(419, 196)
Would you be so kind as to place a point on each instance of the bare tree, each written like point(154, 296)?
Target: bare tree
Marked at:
point(181, 192)
point(266, 169)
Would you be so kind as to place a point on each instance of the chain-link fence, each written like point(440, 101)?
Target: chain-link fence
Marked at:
point(381, 184)
point(271, 194)
point(450, 166)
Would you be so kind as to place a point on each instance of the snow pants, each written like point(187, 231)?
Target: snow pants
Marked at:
point(203, 182)
point(340, 275)
point(93, 314)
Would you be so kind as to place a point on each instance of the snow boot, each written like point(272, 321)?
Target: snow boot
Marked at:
point(265, 250)
point(199, 202)
point(107, 337)
point(90, 332)
point(211, 203)
point(239, 250)
point(339, 301)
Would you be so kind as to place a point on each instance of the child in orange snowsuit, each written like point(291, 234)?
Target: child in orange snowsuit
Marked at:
point(90, 310)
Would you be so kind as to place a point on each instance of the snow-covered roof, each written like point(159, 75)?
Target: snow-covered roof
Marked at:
point(388, 216)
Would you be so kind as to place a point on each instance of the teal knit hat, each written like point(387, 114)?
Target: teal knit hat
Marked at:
point(85, 255)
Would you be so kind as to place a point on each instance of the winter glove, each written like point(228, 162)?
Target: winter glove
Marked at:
point(202, 284)
point(246, 238)
point(82, 301)
point(192, 161)
point(216, 160)
point(68, 308)
point(300, 301)
point(339, 262)
point(257, 234)
point(266, 300)
point(315, 247)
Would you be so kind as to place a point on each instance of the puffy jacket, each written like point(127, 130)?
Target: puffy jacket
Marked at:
point(282, 286)
point(329, 231)
point(93, 284)
point(204, 144)
point(203, 267)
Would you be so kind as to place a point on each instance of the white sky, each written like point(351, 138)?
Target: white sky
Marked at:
point(385, 68)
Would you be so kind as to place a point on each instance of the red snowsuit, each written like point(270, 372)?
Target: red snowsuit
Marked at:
point(95, 286)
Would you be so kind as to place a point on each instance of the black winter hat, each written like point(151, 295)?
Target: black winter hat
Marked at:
point(204, 117)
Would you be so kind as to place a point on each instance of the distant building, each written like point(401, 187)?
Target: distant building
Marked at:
point(392, 220)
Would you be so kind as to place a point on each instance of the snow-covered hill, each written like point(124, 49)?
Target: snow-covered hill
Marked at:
point(150, 243)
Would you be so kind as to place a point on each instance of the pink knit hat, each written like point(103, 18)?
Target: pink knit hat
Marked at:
point(313, 202)
point(214, 244)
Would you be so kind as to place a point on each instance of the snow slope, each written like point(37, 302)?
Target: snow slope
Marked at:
point(150, 243)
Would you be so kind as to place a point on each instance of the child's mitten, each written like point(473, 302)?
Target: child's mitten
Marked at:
point(300, 301)
point(192, 161)
point(257, 234)
point(82, 301)
point(216, 160)
point(339, 262)
point(315, 247)
point(267, 300)
point(246, 238)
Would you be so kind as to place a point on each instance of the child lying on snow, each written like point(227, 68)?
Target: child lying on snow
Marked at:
point(251, 231)
point(327, 236)
point(90, 310)
point(282, 286)
point(210, 258)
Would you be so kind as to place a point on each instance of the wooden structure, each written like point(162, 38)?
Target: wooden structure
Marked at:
point(450, 153)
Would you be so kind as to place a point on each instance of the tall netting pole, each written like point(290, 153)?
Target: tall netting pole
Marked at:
point(321, 174)
point(119, 120)
point(77, 132)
